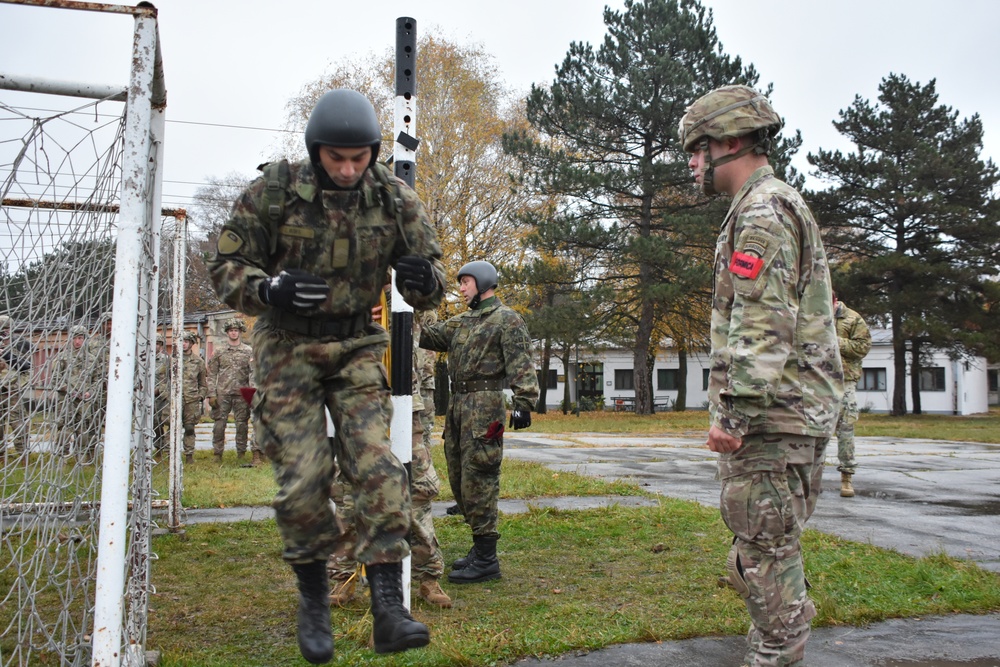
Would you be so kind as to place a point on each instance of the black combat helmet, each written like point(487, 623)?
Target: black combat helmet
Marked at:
point(343, 118)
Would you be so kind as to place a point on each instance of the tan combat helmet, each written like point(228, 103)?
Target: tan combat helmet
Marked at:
point(729, 111)
point(191, 336)
point(78, 330)
point(235, 323)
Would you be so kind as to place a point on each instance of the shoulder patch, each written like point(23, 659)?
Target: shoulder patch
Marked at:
point(229, 242)
point(746, 266)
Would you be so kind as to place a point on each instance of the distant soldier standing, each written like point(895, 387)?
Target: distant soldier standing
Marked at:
point(194, 390)
point(229, 369)
point(307, 248)
point(78, 378)
point(776, 380)
point(15, 366)
point(488, 349)
point(855, 342)
point(161, 397)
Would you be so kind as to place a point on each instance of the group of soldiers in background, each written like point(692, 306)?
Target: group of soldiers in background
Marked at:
point(76, 378)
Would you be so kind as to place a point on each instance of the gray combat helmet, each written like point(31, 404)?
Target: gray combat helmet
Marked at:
point(343, 118)
point(485, 275)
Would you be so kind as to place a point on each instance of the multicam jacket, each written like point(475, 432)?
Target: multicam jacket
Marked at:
point(230, 368)
point(350, 238)
point(775, 365)
point(488, 343)
point(855, 341)
point(194, 383)
point(77, 372)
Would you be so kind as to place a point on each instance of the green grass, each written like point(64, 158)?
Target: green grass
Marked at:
point(572, 581)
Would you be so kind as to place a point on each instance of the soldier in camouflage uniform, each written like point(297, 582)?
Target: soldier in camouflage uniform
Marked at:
point(161, 397)
point(855, 342)
point(229, 369)
point(15, 364)
point(426, 561)
point(776, 379)
point(194, 390)
point(488, 349)
point(308, 256)
point(78, 377)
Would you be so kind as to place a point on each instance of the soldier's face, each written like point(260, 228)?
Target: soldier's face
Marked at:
point(78, 342)
point(234, 334)
point(467, 287)
point(187, 345)
point(345, 166)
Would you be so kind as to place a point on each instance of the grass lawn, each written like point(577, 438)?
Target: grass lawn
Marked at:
point(573, 580)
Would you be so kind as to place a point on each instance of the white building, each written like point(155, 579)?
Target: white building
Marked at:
point(947, 386)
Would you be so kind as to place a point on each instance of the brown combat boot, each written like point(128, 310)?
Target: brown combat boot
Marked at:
point(240, 456)
point(218, 457)
point(846, 490)
point(189, 458)
point(343, 591)
point(431, 593)
point(257, 459)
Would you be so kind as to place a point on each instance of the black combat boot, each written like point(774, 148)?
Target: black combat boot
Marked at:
point(483, 565)
point(464, 560)
point(315, 637)
point(394, 630)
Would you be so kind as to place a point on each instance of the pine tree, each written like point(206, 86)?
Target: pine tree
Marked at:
point(609, 149)
point(913, 216)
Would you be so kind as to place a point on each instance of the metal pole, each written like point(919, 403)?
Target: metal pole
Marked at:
point(109, 598)
point(176, 480)
point(402, 313)
point(577, 377)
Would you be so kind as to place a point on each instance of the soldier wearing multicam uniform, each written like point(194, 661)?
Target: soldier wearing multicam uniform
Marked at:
point(313, 276)
point(15, 364)
point(161, 397)
point(488, 348)
point(426, 561)
point(78, 377)
point(855, 342)
point(194, 390)
point(230, 369)
point(776, 379)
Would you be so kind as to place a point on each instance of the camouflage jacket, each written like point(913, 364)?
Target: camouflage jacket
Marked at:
point(162, 378)
point(775, 363)
point(423, 371)
point(855, 341)
point(230, 368)
point(349, 238)
point(78, 372)
point(194, 382)
point(490, 342)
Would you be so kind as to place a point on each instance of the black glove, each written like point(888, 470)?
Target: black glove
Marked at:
point(415, 273)
point(520, 419)
point(294, 289)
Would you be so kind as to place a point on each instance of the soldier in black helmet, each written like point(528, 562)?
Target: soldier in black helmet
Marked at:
point(488, 350)
point(306, 250)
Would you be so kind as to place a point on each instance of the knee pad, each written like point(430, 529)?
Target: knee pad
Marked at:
point(735, 570)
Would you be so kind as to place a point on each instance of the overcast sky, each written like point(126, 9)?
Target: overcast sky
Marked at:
point(231, 66)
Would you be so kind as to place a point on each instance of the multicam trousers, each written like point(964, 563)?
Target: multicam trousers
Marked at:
point(770, 486)
point(845, 430)
point(296, 377)
point(241, 416)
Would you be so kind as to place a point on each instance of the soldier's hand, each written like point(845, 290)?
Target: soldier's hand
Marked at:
point(213, 402)
point(722, 442)
point(294, 290)
point(520, 419)
point(415, 273)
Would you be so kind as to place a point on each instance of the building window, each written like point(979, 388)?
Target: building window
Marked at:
point(553, 382)
point(993, 379)
point(704, 379)
point(667, 379)
point(872, 379)
point(624, 378)
point(932, 379)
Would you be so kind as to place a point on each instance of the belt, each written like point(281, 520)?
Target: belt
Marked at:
point(341, 327)
point(469, 386)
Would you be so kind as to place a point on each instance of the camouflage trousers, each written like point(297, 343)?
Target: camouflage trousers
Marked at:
point(161, 420)
point(473, 449)
point(770, 486)
point(296, 377)
point(12, 420)
point(78, 426)
point(845, 430)
point(190, 415)
point(241, 416)
point(426, 561)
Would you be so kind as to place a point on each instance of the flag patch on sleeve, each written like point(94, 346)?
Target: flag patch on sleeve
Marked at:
point(745, 266)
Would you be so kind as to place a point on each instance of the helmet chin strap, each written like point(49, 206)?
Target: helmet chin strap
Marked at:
point(708, 175)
